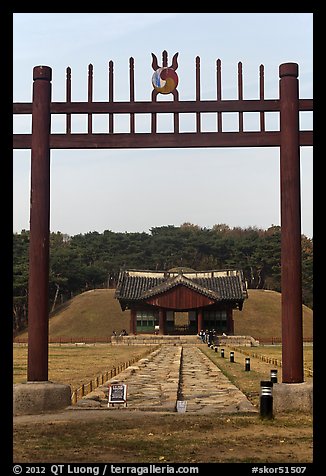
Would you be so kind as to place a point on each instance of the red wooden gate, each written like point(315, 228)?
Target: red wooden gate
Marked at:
point(289, 138)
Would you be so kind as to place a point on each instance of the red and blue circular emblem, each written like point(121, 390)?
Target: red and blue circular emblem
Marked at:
point(165, 80)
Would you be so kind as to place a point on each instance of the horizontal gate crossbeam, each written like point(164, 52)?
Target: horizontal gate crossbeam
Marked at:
point(143, 107)
point(162, 140)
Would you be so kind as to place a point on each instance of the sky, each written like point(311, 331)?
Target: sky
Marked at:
point(136, 190)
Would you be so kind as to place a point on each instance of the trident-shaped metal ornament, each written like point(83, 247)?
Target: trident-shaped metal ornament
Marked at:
point(165, 79)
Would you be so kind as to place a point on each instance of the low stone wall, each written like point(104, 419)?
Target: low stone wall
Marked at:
point(246, 341)
point(151, 339)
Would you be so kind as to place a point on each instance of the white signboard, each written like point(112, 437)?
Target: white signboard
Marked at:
point(181, 406)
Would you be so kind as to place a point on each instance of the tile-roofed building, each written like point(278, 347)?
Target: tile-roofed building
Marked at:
point(206, 299)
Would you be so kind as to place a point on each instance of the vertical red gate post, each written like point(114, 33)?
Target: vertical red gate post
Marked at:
point(39, 394)
point(38, 295)
point(291, 282)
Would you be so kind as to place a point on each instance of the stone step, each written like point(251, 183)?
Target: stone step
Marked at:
point(150, 339)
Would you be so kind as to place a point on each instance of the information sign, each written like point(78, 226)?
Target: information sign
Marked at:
point(117, 393)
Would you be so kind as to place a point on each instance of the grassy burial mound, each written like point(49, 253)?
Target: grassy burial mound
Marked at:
point(261, 316)
point(97, 313)
point(93, 314)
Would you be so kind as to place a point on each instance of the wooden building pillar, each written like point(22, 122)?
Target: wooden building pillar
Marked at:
point(161, 321)
point(229, 321)
point(200, 320)
point(133, 322)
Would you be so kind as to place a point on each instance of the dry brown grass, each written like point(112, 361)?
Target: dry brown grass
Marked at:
point(78, 364)
point(142, 437)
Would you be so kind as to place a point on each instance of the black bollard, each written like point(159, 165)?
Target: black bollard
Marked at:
point(266, 399)
point(222, 352)
point(247, 364)
point(215, 348)
point(274, 376)
point(231, 356)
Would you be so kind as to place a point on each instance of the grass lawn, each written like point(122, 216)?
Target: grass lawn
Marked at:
point(79, 436)
point(77, 364)
point(142, 437)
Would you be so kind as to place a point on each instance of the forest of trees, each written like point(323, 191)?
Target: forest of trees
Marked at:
point(93, 260)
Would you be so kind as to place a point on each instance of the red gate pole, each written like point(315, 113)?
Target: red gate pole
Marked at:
point(291, 281)
point(38, 301)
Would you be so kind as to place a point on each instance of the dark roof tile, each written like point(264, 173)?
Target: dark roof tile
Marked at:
point(222, 285)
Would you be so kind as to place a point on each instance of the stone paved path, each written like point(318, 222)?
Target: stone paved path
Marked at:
point(172, 373)
point(153, 381)
point(206, 388)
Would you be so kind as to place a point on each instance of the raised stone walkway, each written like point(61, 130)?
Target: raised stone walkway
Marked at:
point(206, 388)
point(172, 373)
